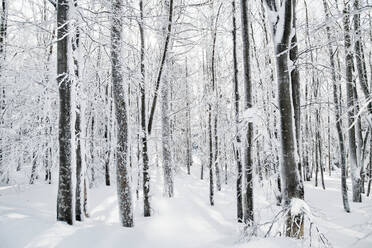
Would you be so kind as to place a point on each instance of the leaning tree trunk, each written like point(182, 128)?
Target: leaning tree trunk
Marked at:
point(122, 170)
point(248, 167)
point(65, 208)
point(355, 176)
point(162, 64)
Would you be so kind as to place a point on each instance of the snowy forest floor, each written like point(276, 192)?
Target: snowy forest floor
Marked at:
point(28, 218)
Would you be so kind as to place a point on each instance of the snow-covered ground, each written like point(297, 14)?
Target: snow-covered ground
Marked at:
point(27, 218)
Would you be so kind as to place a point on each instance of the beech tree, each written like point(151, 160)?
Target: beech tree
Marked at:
point(248, 167)
point(122, 169)
point(349, 64)
point(231, 111)
point(65, 208)
point(291, 186)
point(237, 153)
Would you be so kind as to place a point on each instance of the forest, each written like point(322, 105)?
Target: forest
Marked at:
point(188, 123)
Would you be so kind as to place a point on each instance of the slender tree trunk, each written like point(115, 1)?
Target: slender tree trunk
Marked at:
point(370, 165)
point(167, 167)
point(215, 89)
point(92, 160)
point(80, 165)
point(329, 132)
point(359, 56)
point(248, 167)
point(354, 168)
point(211, 185)
point(107, 137)
point(239, 176)
point(188, 124)
point(34, 167)
point(3, 37)
point(80, 169)
point(145, 158)
point(122, 169)
point(338, 114)
point(162, 63)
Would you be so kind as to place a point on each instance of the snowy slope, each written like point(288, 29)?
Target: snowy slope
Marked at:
point(27, 219)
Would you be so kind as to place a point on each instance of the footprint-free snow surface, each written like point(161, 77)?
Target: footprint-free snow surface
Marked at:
point(28, 218)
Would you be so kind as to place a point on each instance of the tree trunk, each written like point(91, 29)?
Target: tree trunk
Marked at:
point(80, 165)
point(92, 160)
point(65, 208)
point(167, 159)
point(107, 137)
point(354, 168)
point(215, 89)
point(122, 170)
point(188, 125)
point(296, 92)
point(34, 167)
point(291, 183)
point(239, 193)
point(211, 186)
point(4, 176)
point(248, 167)
point(145, 158)
point(167, 167)
point(338, 114)
point(162, 63)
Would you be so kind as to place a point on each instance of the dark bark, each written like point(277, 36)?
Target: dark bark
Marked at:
point(239, 193)
point(34, 168)
point(79, 212)
point(162, 63)
point(291, 184)
point(211, 185)
point(296, 92)
point(145, 159)
point(92, 157)
point(107, 137)
point(79, 191)
point(65, 208)
point(248, 166)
